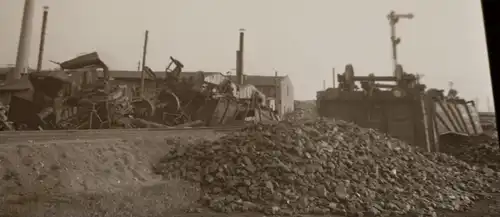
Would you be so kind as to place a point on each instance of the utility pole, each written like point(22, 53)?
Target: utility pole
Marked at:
point(333, 76)
point(144, 53)
point(41, 46)
point(393, 19)
point(324, 84)
point(23, 49)
point(277, 100)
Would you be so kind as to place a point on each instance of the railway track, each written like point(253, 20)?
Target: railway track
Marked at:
point(8, 137)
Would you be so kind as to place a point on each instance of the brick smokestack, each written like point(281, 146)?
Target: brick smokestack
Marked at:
point(23, 50)
point(239, 58)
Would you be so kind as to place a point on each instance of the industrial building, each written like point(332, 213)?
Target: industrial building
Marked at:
point(278, 90)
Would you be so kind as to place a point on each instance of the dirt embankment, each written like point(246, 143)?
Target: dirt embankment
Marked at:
point(93, 178)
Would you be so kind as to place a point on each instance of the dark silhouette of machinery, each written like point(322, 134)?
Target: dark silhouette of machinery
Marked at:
point(77, 97)
point(400, 106)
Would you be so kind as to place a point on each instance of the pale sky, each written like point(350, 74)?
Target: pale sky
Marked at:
point(303, 39)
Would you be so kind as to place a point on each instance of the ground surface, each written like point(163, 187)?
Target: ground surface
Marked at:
point(49, 179)
point(109, 178)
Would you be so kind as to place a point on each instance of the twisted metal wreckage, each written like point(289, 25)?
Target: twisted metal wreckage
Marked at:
point(51, 100)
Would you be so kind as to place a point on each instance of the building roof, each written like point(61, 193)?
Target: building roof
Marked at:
point(258, 80)
point(126, 74)
point(5, 70)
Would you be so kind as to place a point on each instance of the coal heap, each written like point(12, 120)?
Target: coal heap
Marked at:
point(324, 167)
point(482, 150)
point(303, 110)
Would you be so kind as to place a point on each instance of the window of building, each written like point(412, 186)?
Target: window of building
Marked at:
point(287, 94)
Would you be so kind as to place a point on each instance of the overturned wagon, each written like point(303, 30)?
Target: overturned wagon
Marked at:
point(403, 109)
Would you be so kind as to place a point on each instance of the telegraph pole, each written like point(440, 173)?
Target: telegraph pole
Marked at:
point(333, 76)
point(144, 53)
point(277, 99)
point(393, 20)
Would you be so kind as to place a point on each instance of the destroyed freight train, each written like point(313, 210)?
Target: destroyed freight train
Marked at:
point(403, 108)
point(51, 100)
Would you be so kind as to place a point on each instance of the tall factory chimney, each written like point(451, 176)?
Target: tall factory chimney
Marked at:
point(42, 39)
point(239, 58)
point(23, 50)
point(239, 75)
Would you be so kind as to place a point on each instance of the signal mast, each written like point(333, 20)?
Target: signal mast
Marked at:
point(393, 19)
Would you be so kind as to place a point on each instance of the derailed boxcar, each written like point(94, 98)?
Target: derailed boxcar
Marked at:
point(403, 109)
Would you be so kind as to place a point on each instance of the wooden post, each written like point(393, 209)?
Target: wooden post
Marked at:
point(144, 53)
point(333, 74)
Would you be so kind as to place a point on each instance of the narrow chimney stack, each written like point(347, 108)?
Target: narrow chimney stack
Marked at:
point(41, 46)
point(240, 58)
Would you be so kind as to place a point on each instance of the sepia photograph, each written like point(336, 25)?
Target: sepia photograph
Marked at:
point(248, 108)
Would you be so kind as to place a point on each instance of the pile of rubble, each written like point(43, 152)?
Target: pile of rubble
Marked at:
point(324, 167)
point(482, 150)
point(303, 110)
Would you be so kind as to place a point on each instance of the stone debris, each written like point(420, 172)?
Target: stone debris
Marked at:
point(303, 110)
point(324, 167)
point(482, 151)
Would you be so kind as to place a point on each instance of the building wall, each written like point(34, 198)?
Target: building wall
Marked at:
point(285, 96)
point(290, 96)
point(285, 101)
point(268, 90)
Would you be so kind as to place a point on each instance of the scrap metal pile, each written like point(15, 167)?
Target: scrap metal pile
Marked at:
point(51, 100)
point(325, 167)
point(5, 124)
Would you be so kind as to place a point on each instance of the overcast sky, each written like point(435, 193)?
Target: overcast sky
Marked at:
point(303, 39)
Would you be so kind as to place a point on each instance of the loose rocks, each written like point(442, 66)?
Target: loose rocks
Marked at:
point(304, 110)
point(483, 150)
point(323, 167)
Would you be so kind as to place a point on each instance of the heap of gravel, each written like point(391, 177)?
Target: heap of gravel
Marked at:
point(323, 167)
point(304, 110)
point(482, 150)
